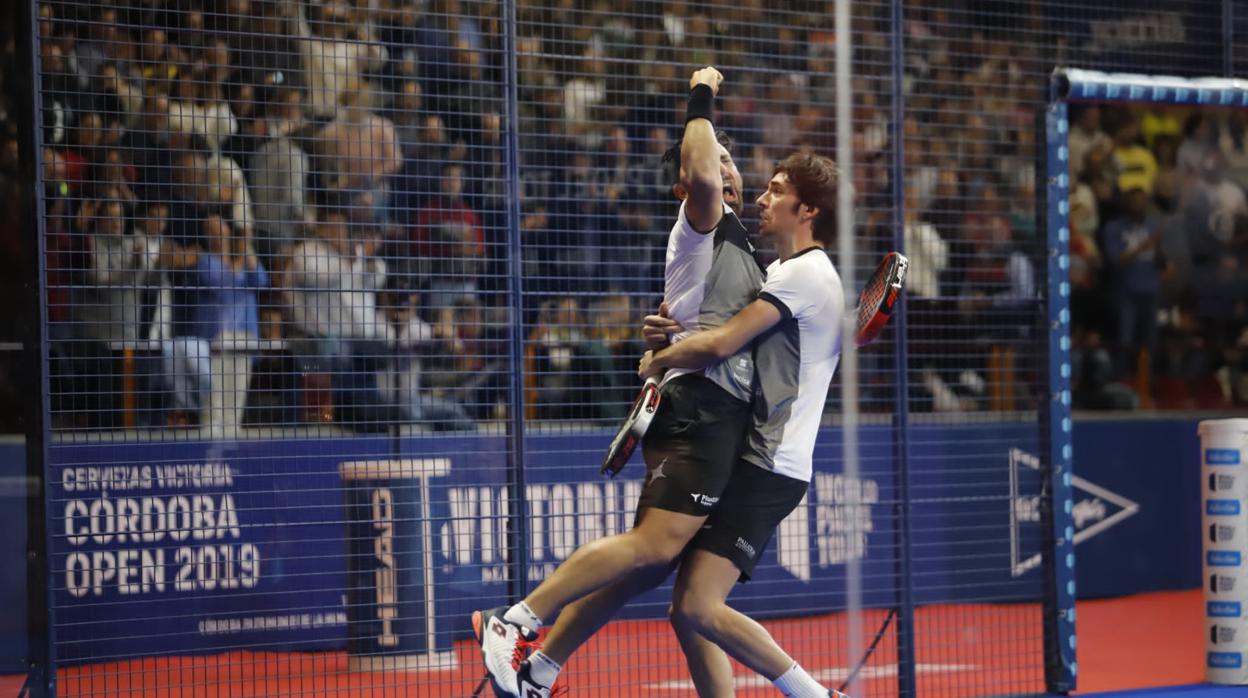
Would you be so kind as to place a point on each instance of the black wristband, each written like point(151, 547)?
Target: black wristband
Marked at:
point(701, 101)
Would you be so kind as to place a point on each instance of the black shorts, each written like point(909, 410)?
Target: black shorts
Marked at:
point(691, 446)
point(753, 505)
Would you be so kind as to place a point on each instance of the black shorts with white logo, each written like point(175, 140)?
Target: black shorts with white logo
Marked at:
point(691, 446)
point(753, 505)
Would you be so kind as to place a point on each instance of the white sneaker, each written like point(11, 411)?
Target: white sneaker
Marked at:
point(503, 647)
point(529, 687)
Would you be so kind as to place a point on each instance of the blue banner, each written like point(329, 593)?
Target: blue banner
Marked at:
point(246, 544)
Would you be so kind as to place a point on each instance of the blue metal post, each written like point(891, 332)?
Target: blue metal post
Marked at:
point(517, 539)
point(906, 631)
point(1061, 668)
point(40, 611)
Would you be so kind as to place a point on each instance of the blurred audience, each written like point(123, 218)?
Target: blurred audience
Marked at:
point(356, 156)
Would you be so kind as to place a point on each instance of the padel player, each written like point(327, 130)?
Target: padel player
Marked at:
point(796, 321)
point(691, 445)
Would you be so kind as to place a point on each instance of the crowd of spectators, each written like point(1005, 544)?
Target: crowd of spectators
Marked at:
point(1159, 245)
point(326, 185)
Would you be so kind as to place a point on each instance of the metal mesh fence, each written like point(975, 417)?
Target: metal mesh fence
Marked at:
point(301, 254)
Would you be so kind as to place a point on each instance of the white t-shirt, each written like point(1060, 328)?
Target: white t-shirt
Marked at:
point(333, 295)
point(796, 361)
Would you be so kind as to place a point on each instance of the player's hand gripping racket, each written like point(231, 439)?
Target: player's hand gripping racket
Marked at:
point(633, 428)
point(880, 296)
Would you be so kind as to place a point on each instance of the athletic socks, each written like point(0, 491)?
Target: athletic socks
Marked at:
point(521, 615)
point(796, 683)
point(543, 669)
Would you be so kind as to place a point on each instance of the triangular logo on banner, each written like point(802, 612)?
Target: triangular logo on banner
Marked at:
point(1093, 510)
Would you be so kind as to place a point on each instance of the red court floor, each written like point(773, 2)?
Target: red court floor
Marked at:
point(1133, 642)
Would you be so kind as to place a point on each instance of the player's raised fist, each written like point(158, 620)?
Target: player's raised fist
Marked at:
point(706, 76)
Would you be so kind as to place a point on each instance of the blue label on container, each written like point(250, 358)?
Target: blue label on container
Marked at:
point(1223, 609)
point(1225, 660)
point(1222, 456)
point(1223, 558)
point(1222, 507)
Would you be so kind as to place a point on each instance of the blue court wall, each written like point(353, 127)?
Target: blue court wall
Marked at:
point(1136, 511)
point(12, 556)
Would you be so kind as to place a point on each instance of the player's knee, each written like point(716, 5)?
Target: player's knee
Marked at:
point(656, 550)
point(690, 612)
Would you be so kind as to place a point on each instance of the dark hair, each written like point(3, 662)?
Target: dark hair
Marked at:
point(815, 178)
point(671, 158)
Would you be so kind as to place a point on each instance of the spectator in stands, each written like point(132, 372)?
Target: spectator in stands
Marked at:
point(609, 365)
point(466, 364)
point(1085, 136)
point(1198, 142)
point(215, 302)
point(120, 264)
point(581, 96)
point(1216, 204)
point(415, 341)
point(278, 173)
point(1168, 183)
point(1131, 157)
point(1130, 244)
point(112, 177)
point(332, 283)
point(1222, 301)
point(928, 251)
point(199, 108)
point(116, 266)
point(448, 241)
point(556, 344)
point(119, 95)
point(1093, 383)
point(336, 54)
point(268, 52)
point(357, 152)
point(1087, 306)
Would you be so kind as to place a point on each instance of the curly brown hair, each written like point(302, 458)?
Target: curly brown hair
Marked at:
point(815, 177)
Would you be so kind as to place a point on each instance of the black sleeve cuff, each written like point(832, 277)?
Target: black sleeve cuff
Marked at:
point(785, 313)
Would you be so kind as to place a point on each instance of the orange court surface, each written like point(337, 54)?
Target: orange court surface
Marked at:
point(1141, 641)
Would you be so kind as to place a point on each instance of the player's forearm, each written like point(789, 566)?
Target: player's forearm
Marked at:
point(699, 158)
point(695, 351)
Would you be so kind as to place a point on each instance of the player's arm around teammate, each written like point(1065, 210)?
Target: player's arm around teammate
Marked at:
point(796, 319)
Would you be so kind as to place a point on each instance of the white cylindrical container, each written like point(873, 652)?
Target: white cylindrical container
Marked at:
point(1224, 532)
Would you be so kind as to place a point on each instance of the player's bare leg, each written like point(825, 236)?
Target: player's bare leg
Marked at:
point(657, 539)
point(709, 666)
point(578, 621)
point(655, 543)
point(699, 604)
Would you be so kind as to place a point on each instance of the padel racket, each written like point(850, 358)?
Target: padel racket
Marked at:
point(880, 296)
point(633, 428)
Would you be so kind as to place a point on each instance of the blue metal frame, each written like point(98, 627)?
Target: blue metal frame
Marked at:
point(518, 523)
point(1061, 666)
point(1094, 86)
point(906, 631)
point(1085, 85)
point(41, 616)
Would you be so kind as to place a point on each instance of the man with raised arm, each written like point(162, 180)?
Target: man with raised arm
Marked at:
point(689, 450)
